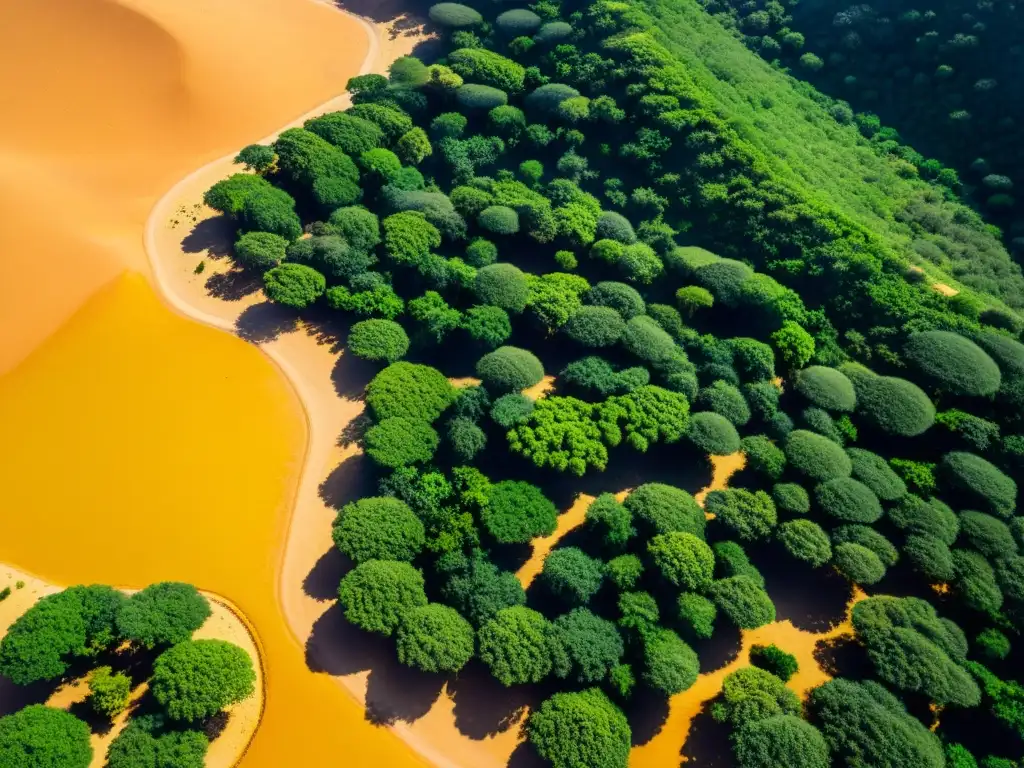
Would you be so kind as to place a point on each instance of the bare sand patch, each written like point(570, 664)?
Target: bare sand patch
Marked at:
point(226, 622)
point(944, 289)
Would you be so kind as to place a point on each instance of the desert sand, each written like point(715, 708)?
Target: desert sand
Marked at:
point(225, 623)
point(155, 447)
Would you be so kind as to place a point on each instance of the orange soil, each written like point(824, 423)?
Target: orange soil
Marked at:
point(944, 289)
point(153, 447)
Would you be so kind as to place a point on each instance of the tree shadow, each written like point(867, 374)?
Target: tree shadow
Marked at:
point(213, 237)
point(394, 692)
point(350, 375)
point(14, 697)
point(405, 17)
point(843, 657)
point(321, 583)
point(814, 600)
point(647, 712)
point(525, 756)
point(233, 285)
point(265, 322)
point(352, 479)
point(721, 649)
point(353, 432)
point(484, 707)
point(707, 743)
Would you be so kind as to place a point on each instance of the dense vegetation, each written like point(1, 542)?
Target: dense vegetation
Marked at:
point(65, 634)
point(706, 260)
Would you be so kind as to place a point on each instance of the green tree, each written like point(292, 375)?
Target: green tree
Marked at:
point(509, 369)
point(109, 692)
point(482, 589)
point(561, 433)
point(257, 158)
point(488, 325)
point(595, 326)
point(572, 575)
point(952, 363)
point(593, 646)
point(409, 237)
point(743, 601)
point(726, 400)
point(44, 737)
point(752, 695)
point(692, 298)
point(378, 340)
point(512, 410)
point(409, 390)
point(378, 528)
point(580, 729)
point(670, 665)
point(260, 250)
point(414, 146)
point(780, 740)
point(848, 500)
point(375, 594)
point(517, 512)
point(894, 405)
point(454, 15)
point(649, 414)
point(75, 623)
point(773, 659)
point(816, 456)
point(763, 456)
point(751, 515)
point(162, 614)
point(434, 638)
point(806, 541)
point(293, 285)
point(826, 388)
point(697, 615)
point(352, 135)
point(196, 679)
point(792, 498)
point(624, 571)
point(684, 560)
point(858, 563)
point(502, 285)
point(611, 521)
point(795, 345)
point(872, 470)
point(518, 645)
point(712, 433)
point(981, 481)
point(399, 441)
point(466, 438)
point(659, 508)
point(146, 742)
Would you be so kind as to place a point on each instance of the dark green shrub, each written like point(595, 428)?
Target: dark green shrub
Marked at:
point(790, 497)
point(229, 196)
point(196, 679)
point(644, 338)
point(763, 456)
point(399, 442)
point(147, 741)
point(434, 638)
point(162, 614)
point(773, 659)
point(260, 250)
point(639, 612)
point(409, 390)
point(293, 285)
point(481, 590)
point(724, 278)
point(552, 32)
point(352, 135)
point(466, 438)
point(518, 22)
point(518, 646)
point(610, 521)
point(623, 298)
point(499, 219)
point(750, 515)
point(502, 285)
point(872, 470)
point(359, 227)
point(624, 571)
point(670, 665)
point(572, 575)
point(725, 399)
point(731, 560)
point(593, 645)
point(1008, 353)
point(595, 326)
point(488, 325)
point(858, 563)
point(826, 388)
point(454, 15)
point(914, 515)
point(615, 226)
point(751, 694)
point(596, 376)
point(987, 534)
point(78, 622)
point(509, 369)
point(378, 340)
point(712, 433)
point(780, 740)
point(659, 508)
point(1010, 574)
point(547, 98)
point(683, 559)
point(517, 512)
point(894, 405)
point(570, 730)
point(975, 581)
point(930, 556)
point(481, 252)
point(865, 724)
point(992, 644)
point(480, 98)
point(697, 615)
point(44, 737)
point(805, 541)
point(378, 528)
point(868, 537)
point(755, 360)
point(273, 210)
point(816, 456)
point(953, 363)
point(980, 480)
point(392, 121)
point(820, 422)
point(849, 500)
point(741, 599)
point(511, 410)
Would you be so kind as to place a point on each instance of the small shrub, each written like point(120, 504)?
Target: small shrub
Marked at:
point(399, 441)
point(953, 363)
point(872, 470)
point(773, 659)
point(763, 456)
point(713, 434)
point(725, 399)
point(517, 512)
point(806, 541)
point(792, 498)
point(697, 615)
point(848, 500)
point(894, 405)
point(509, 369)
point(378, 340)
point(826, 388)
point(858, 563)
point(659, 508)
point(980, 480)
point(743, 601)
